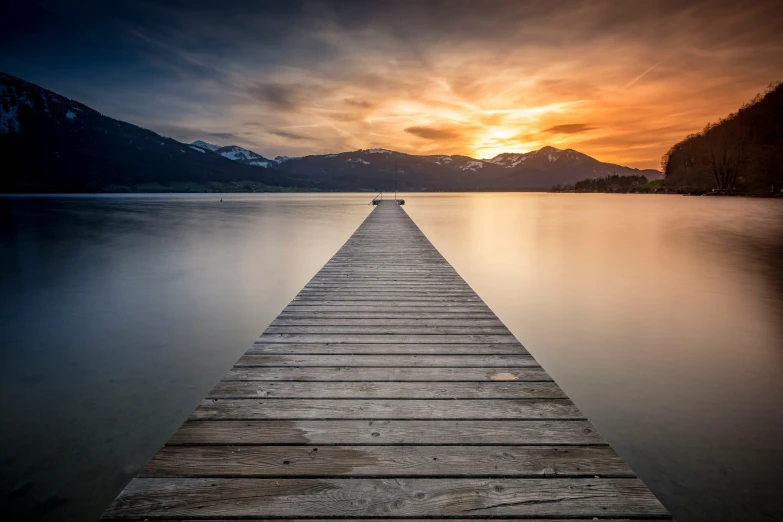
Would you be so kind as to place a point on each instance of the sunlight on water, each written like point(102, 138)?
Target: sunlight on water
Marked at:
point(661, 316)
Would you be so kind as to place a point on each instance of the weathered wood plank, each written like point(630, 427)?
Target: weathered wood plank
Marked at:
point(388, 338)
point(240, 409)
point(378, 297)
point(355, 282)
point(296, 497)
point(350, 284)
point(410, 276)
point(388, 266)
point(386, 374)
point(389, 349)
point(387, 308)
point(410, 329)
point(419, 322)
point(387, 461)
point(389, 371)
point(253, 519)
point(331, 276)
point(391, 315)
point(410, 432)
point(377, 519)
point(388, 390)
point(462, 294)
point(401, 361)
point(358, 286)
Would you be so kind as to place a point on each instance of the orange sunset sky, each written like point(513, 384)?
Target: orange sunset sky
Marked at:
point(621, 81)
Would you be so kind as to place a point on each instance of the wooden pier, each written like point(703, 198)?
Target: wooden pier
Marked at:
point(386, 389)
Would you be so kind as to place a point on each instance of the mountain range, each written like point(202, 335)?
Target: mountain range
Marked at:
point(536, 170)
point(50, 143)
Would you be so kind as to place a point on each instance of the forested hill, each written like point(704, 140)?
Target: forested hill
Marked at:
point(743, 152)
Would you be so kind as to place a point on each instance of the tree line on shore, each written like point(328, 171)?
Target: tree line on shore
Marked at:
point(611, 183)
point(740, 154)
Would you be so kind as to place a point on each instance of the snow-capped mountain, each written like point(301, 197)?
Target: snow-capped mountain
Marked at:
point(374, 168)
point(546, 154)
point(234, 153)
point(566, 164)
point(19, 99)
point(552, 159)
point(542, 157)
point(50, 143)
point(459, 162)
point(245, 156)
point(204, 145)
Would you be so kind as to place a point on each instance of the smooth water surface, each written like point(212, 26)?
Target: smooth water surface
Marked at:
point(120, 313)
point(661, 316)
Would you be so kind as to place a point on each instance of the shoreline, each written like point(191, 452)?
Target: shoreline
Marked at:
point(715, 194)
point(531, 191)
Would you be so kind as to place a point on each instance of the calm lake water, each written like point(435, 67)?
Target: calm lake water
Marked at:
point(661, 316)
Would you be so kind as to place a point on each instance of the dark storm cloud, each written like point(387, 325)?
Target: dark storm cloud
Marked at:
point(568, 128)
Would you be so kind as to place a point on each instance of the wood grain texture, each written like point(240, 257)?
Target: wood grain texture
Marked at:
point(383, 497)
point(387, 348)
point(399, 361)
point(338, 519)
point(288, 316)
point(386, 461)
point(386, 390)
point(386, 338)
point(368, 374)
point(237, 409)
point(468, 309)
point(381, 432)
point(253, 519)
point(383, 329)
point(419, 322)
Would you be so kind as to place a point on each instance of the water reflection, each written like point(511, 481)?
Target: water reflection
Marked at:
point(660, 316)
point(119, 314)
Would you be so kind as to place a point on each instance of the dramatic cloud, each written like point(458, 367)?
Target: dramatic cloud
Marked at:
point(435, 134)
point(568, 128)
point(304, 77)
point(278, 96)
point(290, 135)
point(222, 135)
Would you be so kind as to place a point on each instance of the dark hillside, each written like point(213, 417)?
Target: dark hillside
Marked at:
point(49, 143)
point(743, 152)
